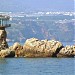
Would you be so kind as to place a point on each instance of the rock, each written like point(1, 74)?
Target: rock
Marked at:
point(3, 43)
point(68, 51)
point(7, 53)
point(17, 46)
point(41, 48)
point(18, 49)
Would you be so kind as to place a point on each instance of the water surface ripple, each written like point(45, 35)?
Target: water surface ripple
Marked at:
point(37, 66)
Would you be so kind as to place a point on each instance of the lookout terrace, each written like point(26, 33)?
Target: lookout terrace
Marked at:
point(3, 24)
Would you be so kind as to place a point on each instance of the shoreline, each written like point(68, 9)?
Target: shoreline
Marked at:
point(35, 48)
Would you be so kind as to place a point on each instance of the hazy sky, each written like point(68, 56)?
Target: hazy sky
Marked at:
point(36, 5)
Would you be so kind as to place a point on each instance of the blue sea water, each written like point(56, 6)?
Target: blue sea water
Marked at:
point(37, 66)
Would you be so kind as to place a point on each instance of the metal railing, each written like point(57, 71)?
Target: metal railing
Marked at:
point(5, 25)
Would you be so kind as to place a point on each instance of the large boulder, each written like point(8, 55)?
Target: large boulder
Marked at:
point(68, 51)
point(17, 46)
point(18, 49)
point(7, 53)
point(41, 48)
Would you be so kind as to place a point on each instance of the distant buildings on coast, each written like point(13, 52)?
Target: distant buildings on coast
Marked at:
point(56, 23)
point(22, 14)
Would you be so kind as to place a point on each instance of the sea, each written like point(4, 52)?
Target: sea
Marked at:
point(37, 66)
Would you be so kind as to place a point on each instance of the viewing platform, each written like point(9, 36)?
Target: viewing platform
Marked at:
point(5, 26)
point(4, 23)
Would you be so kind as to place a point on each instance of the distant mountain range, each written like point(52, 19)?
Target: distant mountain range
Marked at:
point(56, 26)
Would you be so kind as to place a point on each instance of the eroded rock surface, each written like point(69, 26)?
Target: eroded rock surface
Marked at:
point(3, 43)
point(7, 53)
point(41, 48)
point(68, 51)
point(18, 49)
point(38, 48)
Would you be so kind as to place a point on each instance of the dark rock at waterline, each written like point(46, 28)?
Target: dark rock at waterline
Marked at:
point(11, 55)
point(18, 49)
point(68, 51)
point(7, 53)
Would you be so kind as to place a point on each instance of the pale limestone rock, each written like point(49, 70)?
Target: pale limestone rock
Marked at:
point(68, 51)
point(16, 46)
point(41, 48)
point(7, 53)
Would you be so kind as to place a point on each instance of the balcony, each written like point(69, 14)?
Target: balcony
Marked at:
point(4, 21)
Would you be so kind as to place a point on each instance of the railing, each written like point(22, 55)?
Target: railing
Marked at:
point(5, 25)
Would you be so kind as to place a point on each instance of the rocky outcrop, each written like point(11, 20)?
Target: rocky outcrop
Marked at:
point(4, 50)
point(18, 49)
point(17, 46)
point(7, 53)
point(38, 48)
point(3, 43)
point(41, 48)
point(68, 51)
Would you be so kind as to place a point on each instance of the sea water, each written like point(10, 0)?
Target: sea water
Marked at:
point(37, 66)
